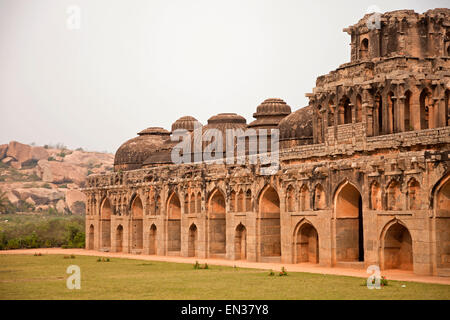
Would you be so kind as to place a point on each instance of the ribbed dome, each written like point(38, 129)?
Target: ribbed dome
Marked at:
point(221, 122)
point(133, 152)
point(185, 123)
point(226, 118)
point(272, 106)
point(296, 128)
point(269, 113)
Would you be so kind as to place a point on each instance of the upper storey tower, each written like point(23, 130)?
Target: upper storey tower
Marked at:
point(402, 32)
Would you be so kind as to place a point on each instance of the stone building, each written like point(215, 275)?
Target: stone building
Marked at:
point(363, 179)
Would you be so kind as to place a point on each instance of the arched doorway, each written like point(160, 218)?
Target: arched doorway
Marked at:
point(269, 224)
point(91, 238)
point(217, 225)
point(119, 239)
point(425, 101)
point(240, 243)
point(307, 244)
point(397, 248)
point(192, 243)
point(442, 224)
point(137, 224)
point(174, 225)
point(349, 224)
point(152, 240)
point(105, 224)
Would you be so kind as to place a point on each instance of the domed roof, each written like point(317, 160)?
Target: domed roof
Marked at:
point(133, 152)
point(162, 156)
point(187, 123)
point(221, 122)
point(269, 113)
point(297, 125)
point(226, 118)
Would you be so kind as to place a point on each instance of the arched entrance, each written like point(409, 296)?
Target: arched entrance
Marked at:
point(174, 225)
point(349, 224)
point(152, 240)
point(91, 237)
point(397, 248)
point(269, 223)
point(442, 225)
point(192, 242)
point(105, 217)
point(137, 224)
point(119, 239)
point(307, 244)
point(217, 225)
point(240, 243)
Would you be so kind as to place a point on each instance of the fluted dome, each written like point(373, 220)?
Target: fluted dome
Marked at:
point(296, 128)
point(269, 114)
point(133, 152)
point(221, 122)
point(185, 123)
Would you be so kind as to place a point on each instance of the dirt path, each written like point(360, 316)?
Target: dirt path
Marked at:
point(390, 274)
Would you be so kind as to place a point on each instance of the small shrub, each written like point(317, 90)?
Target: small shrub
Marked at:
point(283, 272)
point(51, 159)
point(196, 265)
point(37, 254)
point(46, 186)
point(271, 273)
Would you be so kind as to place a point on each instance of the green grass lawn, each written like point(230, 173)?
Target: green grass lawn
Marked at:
point(44, 277)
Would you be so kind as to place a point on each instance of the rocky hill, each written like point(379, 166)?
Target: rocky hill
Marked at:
point(35, 178)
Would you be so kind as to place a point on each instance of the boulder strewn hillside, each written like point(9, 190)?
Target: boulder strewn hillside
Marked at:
point(46, 178)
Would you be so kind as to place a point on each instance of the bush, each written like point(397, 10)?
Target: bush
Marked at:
point(42, 231)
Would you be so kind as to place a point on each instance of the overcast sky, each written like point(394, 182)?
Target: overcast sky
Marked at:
point(135, 64)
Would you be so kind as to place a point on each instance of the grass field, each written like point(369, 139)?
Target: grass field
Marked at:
point(44, 277)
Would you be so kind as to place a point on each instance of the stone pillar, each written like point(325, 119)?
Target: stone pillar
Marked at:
point(367, 110)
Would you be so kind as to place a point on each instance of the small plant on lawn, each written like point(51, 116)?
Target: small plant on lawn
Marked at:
point(37, 254)
point(283, 272)
point(271, 273)
point(199, 266)
point(196, 265)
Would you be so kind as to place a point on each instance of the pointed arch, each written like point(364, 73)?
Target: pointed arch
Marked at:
point(319, 197)
point(306, 243)
point(119, 238)
point(290, 199)
point(375, 196)
point(91, 237)
point(137, 223)
point(248, 201)
point(425, 101)
point(233, 201)
point(217, 224)
point(105, 223)
point(393, 195)
point(349, 223)
point(441, 222)
point(396, 246)
point(269, 223)
point(192, 241)
point(240, 242)
point(174, 224)
point(305, 198)
point(152, 239)
point(414, 198)
point(240, 201)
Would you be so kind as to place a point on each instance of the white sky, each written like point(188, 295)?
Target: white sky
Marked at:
point(135, 64)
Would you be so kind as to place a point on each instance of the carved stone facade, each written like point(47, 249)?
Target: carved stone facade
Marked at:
point(364, 175)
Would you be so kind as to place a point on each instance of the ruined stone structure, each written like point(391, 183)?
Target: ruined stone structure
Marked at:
point(364, 175)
